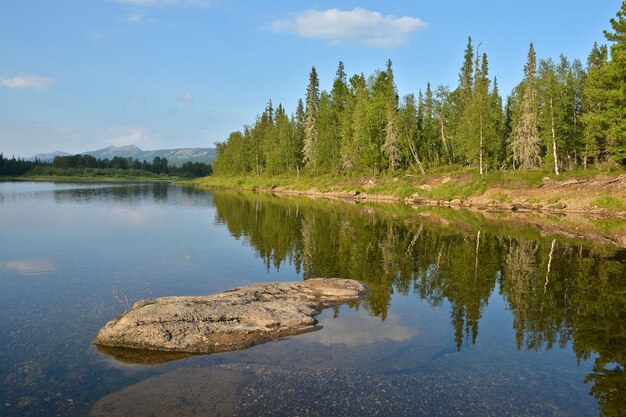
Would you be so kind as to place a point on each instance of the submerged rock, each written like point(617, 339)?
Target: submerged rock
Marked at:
point(235, 319)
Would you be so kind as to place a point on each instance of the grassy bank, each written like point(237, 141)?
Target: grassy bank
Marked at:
point(577, 190)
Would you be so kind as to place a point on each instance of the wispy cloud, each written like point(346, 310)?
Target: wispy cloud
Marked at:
point(149, 3)
point(358, 26)
point(134, 18)
point(124, 135)
point(186, 98)
point(34, 82)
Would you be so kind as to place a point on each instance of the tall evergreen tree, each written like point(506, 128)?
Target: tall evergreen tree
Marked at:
point(551, 114)
point(605, 94)
point(442, 113)
point(466, 75)
point(325, 125)
point(357, 144)
point(509, 109)
point(300, 120)
point(429, 132)
point(497, 117)
point(339, 97)
point(408, 130)
point(574, 77)
point(460, 101)
point(593, 104)
point(310, 130)
point(391, 145)
point(525, 138)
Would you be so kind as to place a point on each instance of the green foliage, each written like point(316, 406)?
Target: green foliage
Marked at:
point(561, 116)
point(605, 97)
point(86, 166)
point(16, 167)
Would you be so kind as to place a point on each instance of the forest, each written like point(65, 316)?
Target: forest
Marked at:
point(87, 165)
point(561, 116)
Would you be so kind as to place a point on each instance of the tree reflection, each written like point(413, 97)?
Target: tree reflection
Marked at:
point(560, 292)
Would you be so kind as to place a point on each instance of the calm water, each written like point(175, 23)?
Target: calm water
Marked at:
point(465, 316)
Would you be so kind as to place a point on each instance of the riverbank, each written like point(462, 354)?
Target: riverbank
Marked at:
point(586, 192)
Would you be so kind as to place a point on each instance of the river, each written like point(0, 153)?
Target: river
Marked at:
point(466, 315)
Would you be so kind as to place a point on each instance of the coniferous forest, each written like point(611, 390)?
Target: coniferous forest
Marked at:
point(563, 114)
point(89, 166)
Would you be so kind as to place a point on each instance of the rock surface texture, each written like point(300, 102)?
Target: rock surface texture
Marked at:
point(234, 319)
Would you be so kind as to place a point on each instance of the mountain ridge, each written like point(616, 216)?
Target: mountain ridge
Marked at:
point(175, 156)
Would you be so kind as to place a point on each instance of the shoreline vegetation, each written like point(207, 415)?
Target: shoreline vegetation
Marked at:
point(590, 206)
point(584, 192)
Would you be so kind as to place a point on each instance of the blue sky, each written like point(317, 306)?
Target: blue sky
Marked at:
point(82, 75)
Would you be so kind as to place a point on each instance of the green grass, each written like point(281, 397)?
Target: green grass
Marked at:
point(610, 202)
point(444, 183)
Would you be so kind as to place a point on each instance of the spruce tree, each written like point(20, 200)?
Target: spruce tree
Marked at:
point(356, 143)
point(339, 97)
point(442, 113)
point(325, 126)
point(605, 95)
point(551, 117)
point(466, 75)
point(310, 130)
point(525, 138)
point(408, 129)
point(430, 133)
point(391, 145)
point(298, 144)
point(461, 98)
point(497, 146)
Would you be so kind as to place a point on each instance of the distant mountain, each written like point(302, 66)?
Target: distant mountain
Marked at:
point(45, 157)
point(113, 151)
point(174, 156)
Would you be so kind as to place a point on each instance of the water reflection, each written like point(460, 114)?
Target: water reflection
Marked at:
point(354, 331)
point(395, 355)
point(561, 293)
point(29, 267)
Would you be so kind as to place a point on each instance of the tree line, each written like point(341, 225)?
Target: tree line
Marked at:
point(562, 115)
point(16, 166)
point(89, 165)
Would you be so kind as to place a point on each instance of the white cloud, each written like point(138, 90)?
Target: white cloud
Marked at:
point(138, 136)
point(359, 26)
point(148, 3)
point(186, 98)
point(27, 82)
point(134, 18)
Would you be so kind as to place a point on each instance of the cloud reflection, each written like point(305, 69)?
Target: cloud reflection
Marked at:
point(129, 215)
point(29, 267)
point(357, 329)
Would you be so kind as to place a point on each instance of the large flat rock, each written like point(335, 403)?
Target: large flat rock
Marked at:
point(234, 319)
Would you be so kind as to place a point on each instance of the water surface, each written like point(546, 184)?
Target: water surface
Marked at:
point(465, 316)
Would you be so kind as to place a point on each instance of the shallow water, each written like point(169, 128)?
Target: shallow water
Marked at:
point(465, 315)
